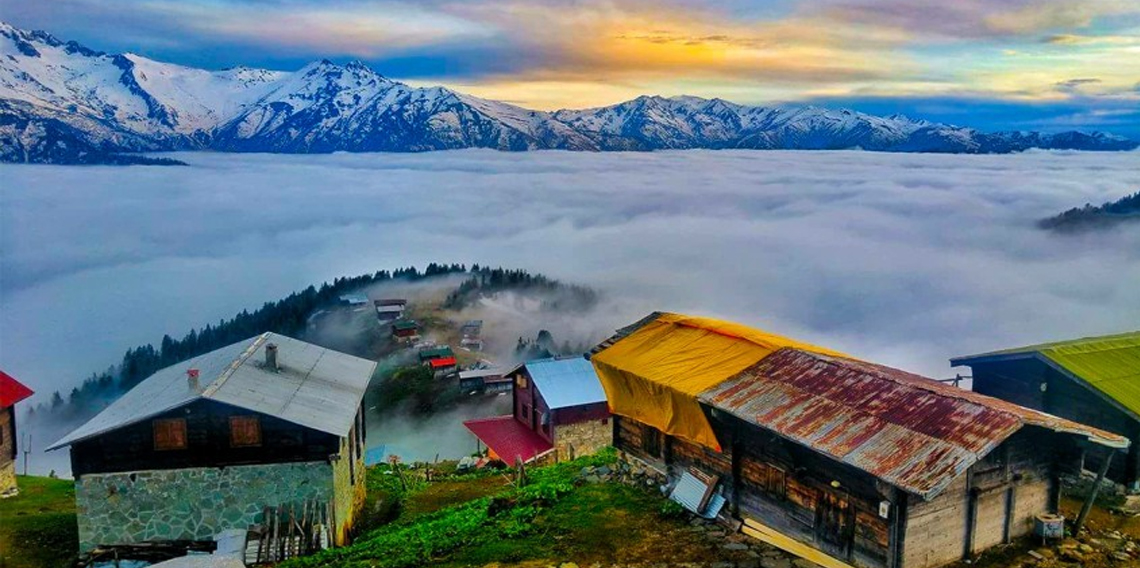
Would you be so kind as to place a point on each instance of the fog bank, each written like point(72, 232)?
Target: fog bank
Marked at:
point(903, 259)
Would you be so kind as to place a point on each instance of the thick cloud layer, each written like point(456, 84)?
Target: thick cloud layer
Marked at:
point(903, 259)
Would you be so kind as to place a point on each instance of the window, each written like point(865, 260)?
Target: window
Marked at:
point(651, 441)
point(776, 483)
point(245, 431)
point(544, 419)
point(520, 381)
point(170, 434)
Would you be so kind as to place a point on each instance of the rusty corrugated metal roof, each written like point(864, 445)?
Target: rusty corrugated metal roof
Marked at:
point(911, 431)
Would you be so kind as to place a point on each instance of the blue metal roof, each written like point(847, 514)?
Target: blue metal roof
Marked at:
point(566, 381)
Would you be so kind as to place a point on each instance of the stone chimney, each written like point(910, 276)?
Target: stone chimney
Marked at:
point(271, 357)
point(192, 379)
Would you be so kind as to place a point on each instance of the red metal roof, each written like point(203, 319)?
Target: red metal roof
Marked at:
point(12, 391)
point(442, 362)
point(508, 438)
point(914, 432)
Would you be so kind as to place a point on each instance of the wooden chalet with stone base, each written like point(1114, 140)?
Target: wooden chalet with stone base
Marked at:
point(844, 462)
point(559, 410)
point(206, 445)
point(11, 392)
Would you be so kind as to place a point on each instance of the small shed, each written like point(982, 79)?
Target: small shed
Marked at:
point(558, 405)
point(860, 463)
point(207, 444)
point(1094, 380)
point(11, 392)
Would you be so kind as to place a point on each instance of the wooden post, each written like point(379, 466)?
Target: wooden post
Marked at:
point(1092, 495)
point(971, 514)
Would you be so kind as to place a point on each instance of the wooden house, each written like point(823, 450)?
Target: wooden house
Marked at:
point(11, 392)
point(390, 310)
point(485, 381)
point(558, 406)
point(443, 367)
point(430, 353)
point(405, 329)
point(843, 461)
point(1093, 380)
point(205, 445)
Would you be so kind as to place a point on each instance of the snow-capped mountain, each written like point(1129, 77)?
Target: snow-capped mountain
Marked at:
point(326, 107)
point(61, 102)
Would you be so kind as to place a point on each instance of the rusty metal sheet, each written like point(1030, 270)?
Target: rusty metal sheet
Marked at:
point(913, 432)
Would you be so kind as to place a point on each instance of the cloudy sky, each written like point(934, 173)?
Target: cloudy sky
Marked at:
point(993, 64)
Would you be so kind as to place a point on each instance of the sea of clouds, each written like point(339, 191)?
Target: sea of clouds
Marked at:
point(904, 259)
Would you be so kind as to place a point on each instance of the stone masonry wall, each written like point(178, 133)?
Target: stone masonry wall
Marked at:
point(586, 437)
point(192, 504)
point(7, 450)
point(349, 491)
point(7, 476)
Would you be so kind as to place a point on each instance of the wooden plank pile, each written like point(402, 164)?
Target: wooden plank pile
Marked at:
point(287, 531)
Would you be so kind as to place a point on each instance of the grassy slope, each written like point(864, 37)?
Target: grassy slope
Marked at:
point(37, 527)
point(602, 523)
point(482, 519)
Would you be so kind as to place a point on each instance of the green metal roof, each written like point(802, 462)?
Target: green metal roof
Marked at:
point(1110, 363)
point(405, 324)
point(436, 353)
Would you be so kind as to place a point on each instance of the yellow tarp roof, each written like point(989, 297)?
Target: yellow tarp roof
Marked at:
point(654, 374)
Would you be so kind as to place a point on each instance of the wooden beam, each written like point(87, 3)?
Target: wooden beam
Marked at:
point(771, 536)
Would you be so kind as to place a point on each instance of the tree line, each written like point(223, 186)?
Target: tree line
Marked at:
point(553, 295)
point(287, 316)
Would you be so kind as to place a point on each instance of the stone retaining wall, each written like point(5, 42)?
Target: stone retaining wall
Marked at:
point(190, 504)
point(587, 437)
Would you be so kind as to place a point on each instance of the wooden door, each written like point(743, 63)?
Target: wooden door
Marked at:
point(834, 525)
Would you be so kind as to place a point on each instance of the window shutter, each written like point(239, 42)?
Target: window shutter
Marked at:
point(170, 434)
point(245, 431)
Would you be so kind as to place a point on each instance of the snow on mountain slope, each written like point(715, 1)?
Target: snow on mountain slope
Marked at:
point(326, 107)
point(64, 103)
point(199, 99)
point(150, 98)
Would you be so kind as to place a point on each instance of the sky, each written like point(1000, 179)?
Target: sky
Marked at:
point(991, 64)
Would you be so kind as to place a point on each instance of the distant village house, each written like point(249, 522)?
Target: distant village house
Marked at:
point(1093, 380)
point(11, 392)
point(485, 381)
point(389, 310)
point(471, 335)
point(205, 445)
point(842, 461)
point(406, 330)
point(559, 406)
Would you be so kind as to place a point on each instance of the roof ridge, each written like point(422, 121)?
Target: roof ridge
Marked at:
point(217, 383)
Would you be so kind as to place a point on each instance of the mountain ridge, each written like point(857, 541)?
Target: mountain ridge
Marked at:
point(61, 102)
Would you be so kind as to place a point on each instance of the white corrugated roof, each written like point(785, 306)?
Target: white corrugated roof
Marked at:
point(314, 387)
point(476, 373)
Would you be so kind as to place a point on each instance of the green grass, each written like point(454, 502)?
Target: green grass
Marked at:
point(37, 527)
point(481, 519)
